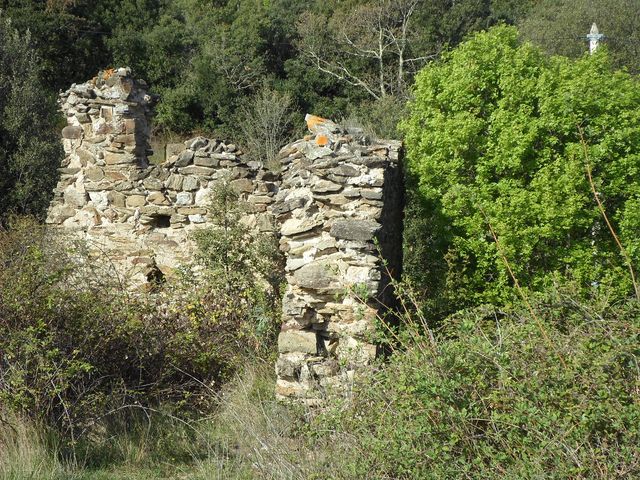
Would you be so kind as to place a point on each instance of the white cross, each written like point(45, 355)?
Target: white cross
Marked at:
point(594, 38)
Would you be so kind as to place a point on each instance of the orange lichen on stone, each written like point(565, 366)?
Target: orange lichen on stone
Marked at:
point(322, 140)
point(108, 73)
point(313, 121)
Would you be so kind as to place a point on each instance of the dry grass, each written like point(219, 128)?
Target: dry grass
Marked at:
point(249, 436)
point(23, 451)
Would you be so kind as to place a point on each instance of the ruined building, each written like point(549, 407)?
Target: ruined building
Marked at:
point(335, 204)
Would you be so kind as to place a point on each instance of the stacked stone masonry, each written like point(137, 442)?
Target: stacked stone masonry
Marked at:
point(336, 204)
point(339, 209)
point(141, 215)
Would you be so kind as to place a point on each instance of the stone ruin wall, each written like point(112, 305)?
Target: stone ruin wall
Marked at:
point(339, 208)
point(141, 215)
point(336, 206)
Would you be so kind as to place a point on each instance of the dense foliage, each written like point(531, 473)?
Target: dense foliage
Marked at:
point(500, 141)
point(30, 150)
point(523, 178)
point(203, 57)
point(560, 27)
point(78, 345)
point(495, 395)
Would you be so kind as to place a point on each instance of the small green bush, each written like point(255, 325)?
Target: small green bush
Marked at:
point(241, 264)
point(502, 395)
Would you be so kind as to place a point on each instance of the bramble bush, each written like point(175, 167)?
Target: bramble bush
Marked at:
point(496, 136)
point(499, 394)
point(77, 348)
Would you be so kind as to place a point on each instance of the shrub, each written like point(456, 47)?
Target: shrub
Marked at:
point(77, 348)
point(241, 264)
point(265, 120)
point(495, 135)
point(501, 395)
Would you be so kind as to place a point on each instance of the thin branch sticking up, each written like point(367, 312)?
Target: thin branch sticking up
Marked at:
point(623, 251)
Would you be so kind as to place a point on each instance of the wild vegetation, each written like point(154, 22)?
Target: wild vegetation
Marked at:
point(517, 351)
point(504, 140)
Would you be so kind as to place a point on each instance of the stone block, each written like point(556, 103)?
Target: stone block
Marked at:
point(354, 229)
point(206, 162)
point(242, 185)
point(94, 174)
point(295, 226)
point(117, 199)
point(158, 198)
point(224, 156)
point(325, 186)
point(371, 193)
point(135, 201)
point(185, 158)
point(153, 184)
point(203, 196)
point(190, 183)
point(197, 143)
point(174, 182)
point(83, 117)
point(75, 198)
point(192, 210)
point(184, 198)
point(194, 170)
point(316, 276)
point(177, 219)
point(59, 213)
point(297, 341)
point(113, 158)
point(72, 132)
point(99, 199)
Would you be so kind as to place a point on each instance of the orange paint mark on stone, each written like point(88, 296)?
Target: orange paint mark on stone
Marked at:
point(313, 121)
point(322, 140)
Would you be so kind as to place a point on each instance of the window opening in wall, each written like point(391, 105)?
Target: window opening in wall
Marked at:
point(161, 221)
point(155, 278)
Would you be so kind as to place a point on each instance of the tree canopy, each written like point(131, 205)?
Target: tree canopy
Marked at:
point(560, 27)
point(203, 56)
point(501, 140)
point(30, 150)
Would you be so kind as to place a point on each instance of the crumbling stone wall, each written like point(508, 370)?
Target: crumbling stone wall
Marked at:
point(340, 213)
point(138, 215)
point(336, 204)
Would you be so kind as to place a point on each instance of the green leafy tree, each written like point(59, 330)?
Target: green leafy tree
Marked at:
point(499, 138)
point(30, 150)
point(373, 49)
point(68, 36)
